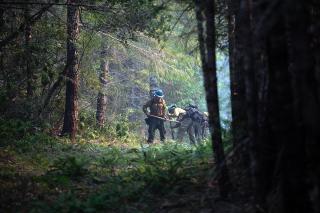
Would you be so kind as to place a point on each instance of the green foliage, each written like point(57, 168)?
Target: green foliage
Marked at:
point(117, 129)
point(127, 33)
point(118, 170)
point(131, 175)
point(71, 166)
point(109, 169)
point(13, 129)
point(122, 127)
point(110, 165)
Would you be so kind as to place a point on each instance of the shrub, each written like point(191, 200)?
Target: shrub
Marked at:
point(71, 166)
point(14, 129)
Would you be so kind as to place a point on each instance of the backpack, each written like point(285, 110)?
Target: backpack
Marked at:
point(157, 107)
point(194, 114)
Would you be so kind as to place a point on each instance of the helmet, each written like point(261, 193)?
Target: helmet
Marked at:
point(171, 108)
point(158, 93)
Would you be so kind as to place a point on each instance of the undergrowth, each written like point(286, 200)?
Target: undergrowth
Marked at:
point(102, 175)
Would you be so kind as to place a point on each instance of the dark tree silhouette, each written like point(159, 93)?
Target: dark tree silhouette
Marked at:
point(28, 53)
point(278, 62)
point(238, 106)
point(205, 14)
point(70, 124)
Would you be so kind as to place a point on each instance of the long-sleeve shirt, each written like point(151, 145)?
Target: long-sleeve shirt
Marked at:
point(178, 111)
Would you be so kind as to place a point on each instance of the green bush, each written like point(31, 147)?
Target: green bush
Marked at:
point(14, 129)
point(127, 175)
point(71, 166)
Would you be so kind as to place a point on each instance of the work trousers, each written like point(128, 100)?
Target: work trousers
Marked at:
point(191, 127)
point(154, 124)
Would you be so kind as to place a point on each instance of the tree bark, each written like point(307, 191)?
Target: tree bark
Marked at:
point(282, 137)
point(70, 125)
point(245, 105)
point(205, 12)
point(313, 146)
point(306, 106)
point(239, 116)
point(280, 61)
point(102, 97)
point(28, 53)
point(2, 20)
point(278, 97)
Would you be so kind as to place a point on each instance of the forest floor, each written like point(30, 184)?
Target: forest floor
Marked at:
point(46, 174)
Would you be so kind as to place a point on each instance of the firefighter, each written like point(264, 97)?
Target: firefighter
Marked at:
point(155, 109)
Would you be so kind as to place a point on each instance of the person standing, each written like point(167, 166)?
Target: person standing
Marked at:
point(156, 115)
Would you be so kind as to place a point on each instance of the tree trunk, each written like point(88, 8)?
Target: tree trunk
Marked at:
point(282, 137)
point(306, 106)
point(277, 66)
point(315, 25)
point(205, 12)
point(244, 103)
point(70, 124)
point(279, 58)
point(28, 53)
point(2, 20)
point(239, 116)
point(312, 147)
point(102, 97)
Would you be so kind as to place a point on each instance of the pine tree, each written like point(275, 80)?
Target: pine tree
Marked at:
point(70, 124)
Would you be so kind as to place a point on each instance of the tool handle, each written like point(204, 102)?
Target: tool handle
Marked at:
point(162, 118)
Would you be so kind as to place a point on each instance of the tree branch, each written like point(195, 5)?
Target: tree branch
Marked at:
point(30, 21)
point(54, 88)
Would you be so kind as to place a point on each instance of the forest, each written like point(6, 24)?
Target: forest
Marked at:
point(160, 106)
